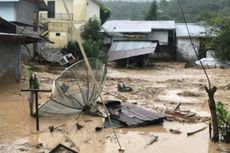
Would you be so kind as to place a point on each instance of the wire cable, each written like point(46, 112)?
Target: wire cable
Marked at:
point(193, 46)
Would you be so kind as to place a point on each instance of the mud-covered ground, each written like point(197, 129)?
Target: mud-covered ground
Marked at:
point(158, 87)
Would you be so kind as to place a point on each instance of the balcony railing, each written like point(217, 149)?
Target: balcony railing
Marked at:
point(58, 16)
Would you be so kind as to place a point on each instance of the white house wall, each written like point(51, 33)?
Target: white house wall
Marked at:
point(93, 9)
point(8, 11)
point(80, 10)
point(161, 36)
point(185, 49)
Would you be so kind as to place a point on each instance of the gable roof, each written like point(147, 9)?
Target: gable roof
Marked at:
point(195, 30)
point(129, 26)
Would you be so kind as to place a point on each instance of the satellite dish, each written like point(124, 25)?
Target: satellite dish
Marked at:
point(74, 90)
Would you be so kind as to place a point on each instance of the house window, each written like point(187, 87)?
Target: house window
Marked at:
point(58, 34)
point(51, 9)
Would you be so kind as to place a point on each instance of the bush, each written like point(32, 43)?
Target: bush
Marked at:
point(220, 36)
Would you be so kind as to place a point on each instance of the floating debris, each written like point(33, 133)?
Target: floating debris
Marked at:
point(123, 88)
point(175, 131)
point(132, 115)
point(60, 148)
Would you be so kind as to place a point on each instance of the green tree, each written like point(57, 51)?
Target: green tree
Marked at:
point(105, 13)
point(91, 30)
point(92, 48)
point(220, 36)
point(153, 11)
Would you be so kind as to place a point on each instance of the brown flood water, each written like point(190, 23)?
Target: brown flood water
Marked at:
point(158, 85)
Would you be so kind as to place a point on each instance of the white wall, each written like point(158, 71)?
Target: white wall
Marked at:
point(161, 36)
point(185, 50)
point(93, 9)
point(7, 11)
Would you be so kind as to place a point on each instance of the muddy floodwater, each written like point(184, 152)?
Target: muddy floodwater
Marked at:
point(160, 86)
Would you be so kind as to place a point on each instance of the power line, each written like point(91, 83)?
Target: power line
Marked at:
point(193, 46)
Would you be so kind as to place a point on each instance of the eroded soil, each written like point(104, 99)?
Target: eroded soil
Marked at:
point(158, 87)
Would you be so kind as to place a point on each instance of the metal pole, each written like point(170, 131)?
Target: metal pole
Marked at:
point(37, 115)
point(35, 91)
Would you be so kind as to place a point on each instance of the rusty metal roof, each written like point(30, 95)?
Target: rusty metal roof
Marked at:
point(128, 26)
point(132, 115)
point(126, 49)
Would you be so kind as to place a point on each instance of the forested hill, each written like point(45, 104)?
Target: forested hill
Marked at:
point(195, 10)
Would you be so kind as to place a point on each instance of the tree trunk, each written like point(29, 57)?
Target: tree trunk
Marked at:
point(212, 107)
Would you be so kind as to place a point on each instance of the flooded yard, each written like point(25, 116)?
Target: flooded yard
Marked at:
point(157, 88)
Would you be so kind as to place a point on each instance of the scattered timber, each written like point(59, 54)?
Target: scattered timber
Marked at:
point(197, 131)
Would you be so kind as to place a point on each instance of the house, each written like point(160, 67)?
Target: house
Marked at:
point(19, 34)
point(126, 38)
point(185, 49)
point(11, 51)
point(57, 21)
point(24, 14)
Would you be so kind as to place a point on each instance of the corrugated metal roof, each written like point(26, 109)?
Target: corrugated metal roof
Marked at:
point(128, 26)
point(195, 30)
point(125, 49)
point(20, 37)
point(132, 115)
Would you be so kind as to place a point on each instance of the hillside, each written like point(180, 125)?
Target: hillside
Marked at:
point(195, 10)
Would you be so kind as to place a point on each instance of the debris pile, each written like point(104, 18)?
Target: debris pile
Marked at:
point(181, 114)
point(130, 115)
point(213, 62)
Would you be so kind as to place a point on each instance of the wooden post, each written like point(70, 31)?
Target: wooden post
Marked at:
point(35, 91)
point(36, 107)
point(212, 107)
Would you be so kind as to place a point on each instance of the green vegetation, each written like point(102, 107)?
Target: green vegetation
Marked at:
point(105, 13)
point(223, 117)
point(92, 40)
point(220, 29)
point(153, 12)
point(122, 10)
point(195, 10)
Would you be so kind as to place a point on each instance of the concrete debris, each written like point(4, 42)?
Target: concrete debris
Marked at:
point(123, 88)
point(40, 146)
point(153, 139)
point(213, 63)
point(80, 125)
point(175, 131)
